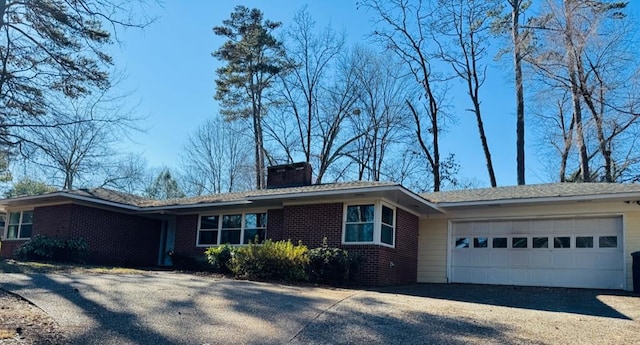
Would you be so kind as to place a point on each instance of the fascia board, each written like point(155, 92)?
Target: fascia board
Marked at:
point(577, 198)
point(390, 188)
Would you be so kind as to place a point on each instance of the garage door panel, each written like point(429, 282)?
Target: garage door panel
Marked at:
point(562, 260)
point(587, 266)
point(607, 261)
point(541, 259)
point(499, 258)
point(482, 258)
point(499, 276)
point(462, 258)
point(519, 259)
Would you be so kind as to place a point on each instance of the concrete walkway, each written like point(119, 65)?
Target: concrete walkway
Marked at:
point(174, 308)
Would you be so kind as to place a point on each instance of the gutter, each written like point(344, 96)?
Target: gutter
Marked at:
point(533, 200)
point(388, 188)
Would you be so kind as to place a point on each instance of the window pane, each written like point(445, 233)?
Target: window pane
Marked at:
point(230, 236)
point(209, 222)
point(360, 213)
point(608, 241)
point(12, 231)
point(462, 242)
point(27, 217)
point(251, 220)
point(541, 242)
point(386, 235)
point(359, 233)
point(250, 235)
point(584, 242)
point(25, 231)
point(500, 242)
point(255, 220)
point(232, 221)
point(480, 242)
point(387, 215)
point(519, 242)
point(208, 237)
point(562, 242)
point(14, 218)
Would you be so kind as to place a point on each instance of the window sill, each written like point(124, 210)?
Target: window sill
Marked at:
point(368, 244)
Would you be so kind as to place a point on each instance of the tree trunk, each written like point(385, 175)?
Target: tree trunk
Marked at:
point(572, 63)
point(517, 64)
point(598, 117)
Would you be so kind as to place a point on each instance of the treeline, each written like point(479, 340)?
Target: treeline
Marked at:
point(377, 110)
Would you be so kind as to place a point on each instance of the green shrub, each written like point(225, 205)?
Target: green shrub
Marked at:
point(270, 261)
point(331, 265)
point(220, 257)
point(42, 248)
point(188, 262)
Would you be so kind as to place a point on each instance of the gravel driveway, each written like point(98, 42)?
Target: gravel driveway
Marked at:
point(173, 308)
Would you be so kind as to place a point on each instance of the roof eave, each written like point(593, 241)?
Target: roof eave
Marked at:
point(193, 206)
point(323, 193)
point(550, 199)
point(62, 194)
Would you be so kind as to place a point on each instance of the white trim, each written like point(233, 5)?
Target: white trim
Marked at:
point(449, 249)
point(377, 221)
point(535, 200)
point(20, 223)
point(624, 250)
point(220, 215)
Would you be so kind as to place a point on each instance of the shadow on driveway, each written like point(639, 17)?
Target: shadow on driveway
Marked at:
point(564, 300)
point(108, 325)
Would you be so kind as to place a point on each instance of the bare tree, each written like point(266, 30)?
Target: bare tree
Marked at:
point(334, 130)
point(584, 50)
point(310, 55)
point(466, 26)
point(406, 29)
point(83, 149)
point(382, 114)
point(512, 24)
point(214, 159)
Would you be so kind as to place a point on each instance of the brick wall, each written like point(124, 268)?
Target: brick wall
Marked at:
point(8, 247)
point(311, 223)
point(113, 238)
point(186, 232)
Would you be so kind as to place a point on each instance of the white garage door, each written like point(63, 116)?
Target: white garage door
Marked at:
point(571, 252)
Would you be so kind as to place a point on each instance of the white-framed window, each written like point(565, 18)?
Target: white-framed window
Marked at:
point(369, 223)
point(18, 225)
point(232, 228)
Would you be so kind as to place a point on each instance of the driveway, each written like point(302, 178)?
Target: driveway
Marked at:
point(174, 308)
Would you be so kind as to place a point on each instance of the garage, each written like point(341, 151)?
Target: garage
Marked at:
point(582, 252)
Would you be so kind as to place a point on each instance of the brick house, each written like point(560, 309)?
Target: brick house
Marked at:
point(573, 235)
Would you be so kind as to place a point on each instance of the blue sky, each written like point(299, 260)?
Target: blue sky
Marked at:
point(171, 73)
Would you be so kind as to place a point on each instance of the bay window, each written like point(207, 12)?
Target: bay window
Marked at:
point(369, 223)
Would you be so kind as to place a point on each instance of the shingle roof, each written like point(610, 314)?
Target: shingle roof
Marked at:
point(133, 200)
point(247, 195)
point(530, 192)
point(109, 195)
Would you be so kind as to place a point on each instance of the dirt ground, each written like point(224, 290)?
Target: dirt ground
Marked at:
point(23, 323)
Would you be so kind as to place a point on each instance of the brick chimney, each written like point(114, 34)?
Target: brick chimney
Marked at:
point(289, 175)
